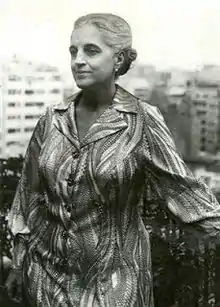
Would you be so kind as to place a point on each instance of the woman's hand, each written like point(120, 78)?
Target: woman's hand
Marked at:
point(14, 285)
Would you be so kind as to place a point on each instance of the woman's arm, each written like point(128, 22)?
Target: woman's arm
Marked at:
point(188, 198)
point(28, 187)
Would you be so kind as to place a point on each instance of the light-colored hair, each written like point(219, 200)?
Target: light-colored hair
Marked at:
point(116, 34)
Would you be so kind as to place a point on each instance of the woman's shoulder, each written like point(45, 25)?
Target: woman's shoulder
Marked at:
point(150, 111)
point(145, 107)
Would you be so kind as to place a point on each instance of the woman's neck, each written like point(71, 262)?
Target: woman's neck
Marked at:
point(98, 98)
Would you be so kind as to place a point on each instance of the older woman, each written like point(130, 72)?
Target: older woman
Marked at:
point(79, 236)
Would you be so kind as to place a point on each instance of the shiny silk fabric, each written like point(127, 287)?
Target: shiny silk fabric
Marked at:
point(77, 211)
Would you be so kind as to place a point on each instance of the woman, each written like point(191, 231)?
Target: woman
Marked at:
point(79, 236)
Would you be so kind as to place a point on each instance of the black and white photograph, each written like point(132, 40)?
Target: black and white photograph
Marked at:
point(109, 153)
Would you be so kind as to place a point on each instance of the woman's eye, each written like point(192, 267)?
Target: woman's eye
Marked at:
point(92, 51)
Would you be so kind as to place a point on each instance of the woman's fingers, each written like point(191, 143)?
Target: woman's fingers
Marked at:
point(18, 291)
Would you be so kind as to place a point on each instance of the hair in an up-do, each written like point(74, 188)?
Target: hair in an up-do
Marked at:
point(116, 33)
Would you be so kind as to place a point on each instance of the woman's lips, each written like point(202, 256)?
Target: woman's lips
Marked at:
point(81, 73)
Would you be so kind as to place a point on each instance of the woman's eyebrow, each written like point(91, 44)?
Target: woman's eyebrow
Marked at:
point(92, 45)
point(87, 45)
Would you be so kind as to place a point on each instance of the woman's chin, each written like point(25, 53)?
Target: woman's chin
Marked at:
point(84, 84)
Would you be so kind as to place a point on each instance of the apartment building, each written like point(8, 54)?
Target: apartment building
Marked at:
point(205, 117)
point(140, 81)
point(197, 100)
point(26, 90)
point(208, 73)
point(176, 94)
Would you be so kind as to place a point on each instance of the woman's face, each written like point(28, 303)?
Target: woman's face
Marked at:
point(92, 61)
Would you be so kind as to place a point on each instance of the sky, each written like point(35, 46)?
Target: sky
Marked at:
point(166, 33)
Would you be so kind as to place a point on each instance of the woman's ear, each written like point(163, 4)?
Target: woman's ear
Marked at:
point(119, 60)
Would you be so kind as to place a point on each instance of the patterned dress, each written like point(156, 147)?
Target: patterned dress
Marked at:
point(76, 216)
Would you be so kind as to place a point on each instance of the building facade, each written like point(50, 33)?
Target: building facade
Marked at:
point(140, 80)
point(205, 118)
point(26, 90)
point(199, 115)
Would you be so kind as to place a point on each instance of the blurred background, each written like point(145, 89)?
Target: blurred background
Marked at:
point(178, 70)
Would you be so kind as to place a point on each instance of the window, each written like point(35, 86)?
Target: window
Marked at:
point(203, 130)
point(29, 104)
point(13, 130)
point(47, 69)
point(14, 92)
point(32, 104)
point(203, 122)
point(203, 140)
point(31, 79)
point(11, 143)
point(14, 78)
point(200, 103)
point(201, 112)
point(31, 116)
point(29, 92)
point(55, 91)
point(56, 78)
point(29, 129)
point(202, 148)
point(14, 117)
point(39, 104)
point(11, 104)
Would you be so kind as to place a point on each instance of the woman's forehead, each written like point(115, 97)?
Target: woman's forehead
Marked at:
point(87, 34)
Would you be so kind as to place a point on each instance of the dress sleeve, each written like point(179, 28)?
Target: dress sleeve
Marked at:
point(189, 199)
point(28, 188)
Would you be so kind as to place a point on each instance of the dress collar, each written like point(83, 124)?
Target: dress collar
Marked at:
point(123, 101)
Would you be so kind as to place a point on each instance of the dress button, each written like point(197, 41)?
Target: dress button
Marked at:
point(102, 290)
point(70, 181)
point(75, 154)
point(68, 209)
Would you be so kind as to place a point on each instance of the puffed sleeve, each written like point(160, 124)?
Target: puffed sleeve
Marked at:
point(186, 197)
point(28, 188)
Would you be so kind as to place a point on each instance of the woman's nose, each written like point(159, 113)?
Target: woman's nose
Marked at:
point(79, 59)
